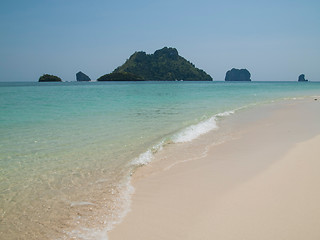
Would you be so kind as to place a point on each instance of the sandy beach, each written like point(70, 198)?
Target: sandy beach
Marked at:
point(257, 177)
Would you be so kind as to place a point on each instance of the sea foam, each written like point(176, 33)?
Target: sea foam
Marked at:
point(146, 157)
point(123, 205)
point(143, 159)
point(194, 131)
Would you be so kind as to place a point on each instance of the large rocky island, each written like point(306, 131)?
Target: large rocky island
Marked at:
point(238, 75)
point(163, 65)
point(49, 78)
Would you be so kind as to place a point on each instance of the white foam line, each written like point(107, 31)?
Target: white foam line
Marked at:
point(146, 157)
point(227, 113)
point(143, 159)
point(194, 131)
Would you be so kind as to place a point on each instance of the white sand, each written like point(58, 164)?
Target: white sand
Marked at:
point(262, 182)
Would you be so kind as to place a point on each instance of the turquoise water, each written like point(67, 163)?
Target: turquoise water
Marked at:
point(68, 149)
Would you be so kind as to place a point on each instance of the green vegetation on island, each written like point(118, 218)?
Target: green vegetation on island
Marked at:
point(238, 75)
point(164, 65)
point(49, 78)
point(120, 76)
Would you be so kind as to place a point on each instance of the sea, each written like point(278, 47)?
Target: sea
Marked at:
point(68, 150)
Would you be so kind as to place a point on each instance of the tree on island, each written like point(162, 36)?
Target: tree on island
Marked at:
point(164, 65)
point(120, 76)
point(49, 78)
point(238, 75)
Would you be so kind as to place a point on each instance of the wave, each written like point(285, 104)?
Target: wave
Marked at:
point(146, 157)
point(194, 131)
point(186, 135)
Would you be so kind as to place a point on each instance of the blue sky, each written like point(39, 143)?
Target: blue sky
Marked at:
point(274, 40)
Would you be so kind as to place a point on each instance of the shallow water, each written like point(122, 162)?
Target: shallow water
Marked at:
point(68, 149)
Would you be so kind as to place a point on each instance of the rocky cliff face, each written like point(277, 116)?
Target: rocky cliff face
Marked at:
point(238, 75)
point(81, 77)
point(302, 79)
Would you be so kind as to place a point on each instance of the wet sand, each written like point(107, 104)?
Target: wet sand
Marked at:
point(257, 177)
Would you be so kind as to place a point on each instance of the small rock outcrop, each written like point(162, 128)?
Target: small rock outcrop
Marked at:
point(238, 75)
point(49, 78)
point(81, 77)
point(302, 79)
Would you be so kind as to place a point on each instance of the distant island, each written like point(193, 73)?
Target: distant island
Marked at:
point(238, 75)
point(81, 77)
point(120, 76)
point(49, 78)
point(302, 79)
point(163, 65)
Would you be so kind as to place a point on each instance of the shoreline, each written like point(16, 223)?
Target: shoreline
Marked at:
point(179, 192)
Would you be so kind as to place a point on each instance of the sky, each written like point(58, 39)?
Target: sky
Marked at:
point(275, 40)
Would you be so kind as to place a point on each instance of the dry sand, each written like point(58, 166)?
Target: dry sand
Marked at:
point(257, 177)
